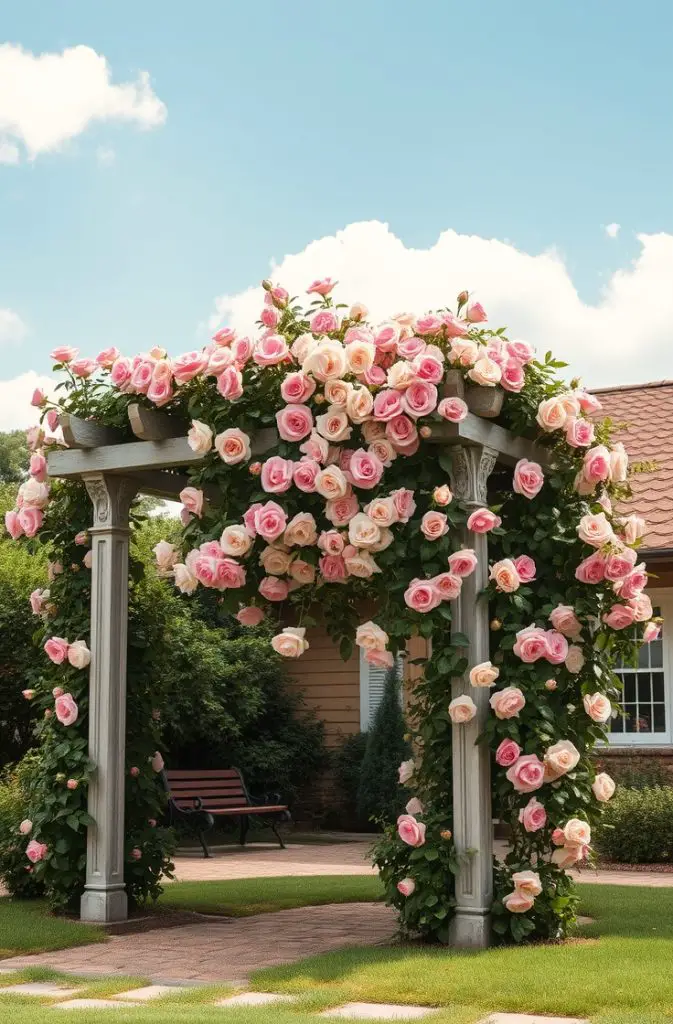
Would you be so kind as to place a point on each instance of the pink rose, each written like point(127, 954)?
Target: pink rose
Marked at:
point(651, 632)
point(507, 703)
point(323, 322)
point(273, 589)
point(421, 596)
point(63, 354)
point(380, 659)
point(627, 588)
point(333, 568)
point(620, 616)
point(442, 495)
point(192, 500)
point(463, 562)
point(528, 478)
point(579, 432)
point(531, 644)
point(642, 607)
point(277, 474)
point(36, 851)
point(557, 645)
point(526, 568)
point(365, 470)
point(66, 709)
point(37, 601)
point(269, 316)
point(420, 399)
point(56, 649)
point(26, 827)
point(406, 886)
point(429, 368)
point(453, 409)
point(483, 520)
point(188, 365)
point(38, 466)
point(507, 753)
point(340, 511)
point(250, 616)
point(322, 286)
point(224, 336)
point(230, 383)
point(632, 528)
point(270, 350)
point(401, 431)
point(387, 405)
point(304, 474)
point(331, 542)
point(30, 520)
point(38, 398)
point(592, 569)
point(518, 902)
point(434, 525)
point(120, 373)
point(563, 619)
point(533, 816)
point(410, 831)
point(107, 357)
point(295, 422)
point(12, 524)
point(619, 565)
point(297, 387)
point(596, 466)
point(513, 376)
point(447, 585)
point(526, 774)
point(405, 506)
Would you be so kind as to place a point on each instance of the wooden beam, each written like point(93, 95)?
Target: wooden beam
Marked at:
point(123, 458)
point(474, 430)
point(78, 433)
point(163, 484)
point(152, 425)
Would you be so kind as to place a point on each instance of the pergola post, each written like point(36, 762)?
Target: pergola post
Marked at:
point(472, 816)
point(104, 897)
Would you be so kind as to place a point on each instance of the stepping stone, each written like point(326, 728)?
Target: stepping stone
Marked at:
point(379, 1011)
point(255, 999)
point(143, 995)
point(530, 1018)
point(92, 1004)
point(38, 988)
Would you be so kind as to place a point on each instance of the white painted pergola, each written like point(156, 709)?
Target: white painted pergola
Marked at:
point(114, 471)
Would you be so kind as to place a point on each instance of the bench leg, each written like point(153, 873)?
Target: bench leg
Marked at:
point(277, 834)
point(245, 824)
point(204, 845)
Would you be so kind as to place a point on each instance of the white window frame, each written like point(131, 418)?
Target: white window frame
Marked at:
point(365, 707)
point(662, 599)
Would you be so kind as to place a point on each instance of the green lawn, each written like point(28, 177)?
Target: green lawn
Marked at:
point(244, 897)
point(618, 969)
point(28, 927)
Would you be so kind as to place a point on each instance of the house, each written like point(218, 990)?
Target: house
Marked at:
point(642, 418)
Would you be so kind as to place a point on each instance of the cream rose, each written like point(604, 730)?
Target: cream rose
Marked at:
point(331, 483)
point(233, 446)
point(577, 832)
point(235, 540)
point(400, 375)
point(603, 787)
point(336, 392)
point(326, 360)
point(597, 706)
point(363, 531)
point(505, 576)
point(382, 511)
point(527, 882)
point(371, 637)
point(301, 531)
point(275, 560)
point(290, 643)
point(595, 530)
point(462, 709)
point(485, 372)
point(359, 404)
point(200, 437)
point(561, 758)
point(552, 414)
point(360, 356)
point(334, 425)
point(484, 674)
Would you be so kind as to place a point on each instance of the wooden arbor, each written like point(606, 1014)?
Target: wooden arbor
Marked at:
point(114, 471)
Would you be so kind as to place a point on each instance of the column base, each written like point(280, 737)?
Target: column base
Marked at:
point(470, 929)
point(103, 906)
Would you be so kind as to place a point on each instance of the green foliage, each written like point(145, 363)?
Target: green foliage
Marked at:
point(347, 763)
point(379, 793)
point(15, 798)
point(636, 772)
point(637, 827)
point(14, 457)
point(20, 573)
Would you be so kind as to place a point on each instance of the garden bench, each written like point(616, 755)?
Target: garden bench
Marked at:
point(196, 797)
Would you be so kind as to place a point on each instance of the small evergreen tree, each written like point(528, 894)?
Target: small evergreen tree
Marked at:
point(380, 795)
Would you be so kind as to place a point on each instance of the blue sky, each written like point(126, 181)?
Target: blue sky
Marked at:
point(535, 124)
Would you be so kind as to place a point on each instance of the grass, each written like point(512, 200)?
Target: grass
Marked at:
point(618, 969)
point(26, 926)
point(244, 897)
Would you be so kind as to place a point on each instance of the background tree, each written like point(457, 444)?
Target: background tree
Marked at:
point(379, 795)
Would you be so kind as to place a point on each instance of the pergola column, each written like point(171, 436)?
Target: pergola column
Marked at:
point(104, 897)
point(472, 816)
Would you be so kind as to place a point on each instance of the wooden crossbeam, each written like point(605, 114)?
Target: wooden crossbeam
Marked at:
point(474, 430)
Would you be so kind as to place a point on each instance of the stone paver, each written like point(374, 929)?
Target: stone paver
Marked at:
point(265, 860)
point(255, 999)
point(530, 1018)
point(149, 992)
point(92, 1004)
point(37, 988)
point(226, 949)
point(379, 1011)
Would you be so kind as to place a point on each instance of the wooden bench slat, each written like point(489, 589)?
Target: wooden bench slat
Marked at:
point(211, 787)
point(271, 809)
point(209, 773)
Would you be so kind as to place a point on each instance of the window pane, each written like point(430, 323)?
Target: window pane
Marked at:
point(658, 687)
point(644, 719)
point(656, 653)
point(631, 719)
point(644, 656)
point(643, 687)
point(659, 717)
point(629, 680)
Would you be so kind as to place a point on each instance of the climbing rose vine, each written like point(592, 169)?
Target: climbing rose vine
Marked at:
point(323, 497)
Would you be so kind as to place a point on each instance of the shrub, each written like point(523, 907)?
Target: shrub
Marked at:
point(637, 826)
point(15, 871)
point(380, 795)
point(347, 771)
point(636, 772)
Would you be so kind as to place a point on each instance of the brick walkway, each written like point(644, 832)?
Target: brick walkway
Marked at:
point(225, 950)
point(264, 860)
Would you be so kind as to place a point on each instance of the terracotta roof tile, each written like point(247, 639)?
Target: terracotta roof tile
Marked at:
point(643, 418)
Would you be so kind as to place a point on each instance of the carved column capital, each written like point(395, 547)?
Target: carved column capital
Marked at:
point(471, 467)
point(111, 497)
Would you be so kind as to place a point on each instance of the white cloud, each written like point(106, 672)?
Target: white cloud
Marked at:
point(612, 230)
point(16, 412)
point(9, 153)
point(50, 98)
point(105, 156)
point(624, 338)
point(12, 327)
